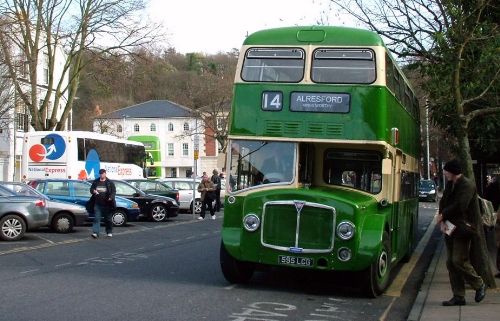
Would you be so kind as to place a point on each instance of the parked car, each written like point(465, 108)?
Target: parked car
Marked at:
point(154, 187)
point(19, 214)
point(78, 192)
point(155, 207)
point(63, 216)
point(427, 190)
point(185, 187)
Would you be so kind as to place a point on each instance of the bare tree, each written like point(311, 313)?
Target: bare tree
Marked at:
point(454, 45)
point(51, 36)
point(6, 94)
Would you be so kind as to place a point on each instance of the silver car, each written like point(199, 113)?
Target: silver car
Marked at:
point(185, 187)
point(63, 216)
point(19, 214)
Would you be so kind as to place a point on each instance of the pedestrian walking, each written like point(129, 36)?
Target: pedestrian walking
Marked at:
point(216, 180)
point(207, 191)
point(103, 202)
point(458, 203)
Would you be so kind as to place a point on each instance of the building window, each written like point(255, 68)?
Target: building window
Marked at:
point(119, 128)
point(170, 127)
point(220, 123)
point(136, 128)
point(46, 68)
point(152, 127)
point(22, 122)
point(170, 149)
point(186, 126)
point(185, 149)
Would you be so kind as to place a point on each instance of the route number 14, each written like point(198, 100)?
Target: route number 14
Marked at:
point(272, 100)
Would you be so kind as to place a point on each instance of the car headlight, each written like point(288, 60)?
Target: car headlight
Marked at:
point(432, 191)
point(345, 230)
point(251, 222)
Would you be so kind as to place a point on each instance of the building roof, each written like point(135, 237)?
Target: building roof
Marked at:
point(150, 109)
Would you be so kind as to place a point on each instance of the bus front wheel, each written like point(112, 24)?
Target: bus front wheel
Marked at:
point(377, 275)
point(234, 270)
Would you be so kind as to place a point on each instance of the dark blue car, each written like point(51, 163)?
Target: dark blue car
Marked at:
point(78, 192)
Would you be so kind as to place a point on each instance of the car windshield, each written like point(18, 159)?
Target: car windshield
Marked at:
point(22, 190)
point(426, 184)
point(126, 189)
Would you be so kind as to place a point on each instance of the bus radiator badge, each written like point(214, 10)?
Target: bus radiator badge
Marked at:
point(299, 205)
point(295, 250)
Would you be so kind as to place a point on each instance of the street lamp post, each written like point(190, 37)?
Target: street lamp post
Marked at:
point(427, 138)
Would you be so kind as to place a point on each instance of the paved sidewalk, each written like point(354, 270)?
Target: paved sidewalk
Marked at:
point(436, 288)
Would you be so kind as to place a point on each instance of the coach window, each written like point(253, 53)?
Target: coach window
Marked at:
point(343, 66)
point(273, 65)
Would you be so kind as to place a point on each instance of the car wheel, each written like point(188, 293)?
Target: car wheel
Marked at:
point(377, 275)
point(197, 206)
point(234, 271)
point(63, 223)
point(158, 213)
point(119, 218)
point(12, 228)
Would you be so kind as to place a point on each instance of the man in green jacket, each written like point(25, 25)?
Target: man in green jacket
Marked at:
point(456, 205)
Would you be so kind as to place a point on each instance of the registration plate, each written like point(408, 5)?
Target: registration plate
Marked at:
point(295, 260)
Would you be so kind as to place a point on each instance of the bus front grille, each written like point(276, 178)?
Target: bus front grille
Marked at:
point(297, 226)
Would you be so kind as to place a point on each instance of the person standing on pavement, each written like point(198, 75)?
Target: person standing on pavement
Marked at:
point(457, 204)
point(103, 192)
point(218, 185)
point(207, 191)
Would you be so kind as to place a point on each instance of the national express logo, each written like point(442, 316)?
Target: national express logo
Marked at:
point(52, 148)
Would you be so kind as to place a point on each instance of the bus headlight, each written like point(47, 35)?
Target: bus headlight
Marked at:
point(345, 230)
point(251, 222)
point(344, 254)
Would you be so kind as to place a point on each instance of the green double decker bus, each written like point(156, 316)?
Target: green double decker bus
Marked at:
point(152, 146)
point(323, 156)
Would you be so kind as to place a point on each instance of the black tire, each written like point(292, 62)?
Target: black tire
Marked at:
point(62, 223)
point(12, 228)
point(377, 275)
point(234, 270)
point(158, 213)
point(119, 218)
point(197, 206)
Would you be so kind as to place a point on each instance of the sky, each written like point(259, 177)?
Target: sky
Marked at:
point(212, 26)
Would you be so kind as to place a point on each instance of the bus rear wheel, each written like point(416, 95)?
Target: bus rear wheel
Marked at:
point(377, 275)
point(234, 270)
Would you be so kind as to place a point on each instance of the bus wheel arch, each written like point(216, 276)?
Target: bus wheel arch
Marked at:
point(234, 271)
point(63, 222)
point(377, 275)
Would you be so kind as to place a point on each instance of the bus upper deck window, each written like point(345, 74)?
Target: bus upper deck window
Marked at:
point(343, 66)
point(273, 65)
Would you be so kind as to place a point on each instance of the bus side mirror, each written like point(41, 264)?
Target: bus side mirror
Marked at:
point(386, 166)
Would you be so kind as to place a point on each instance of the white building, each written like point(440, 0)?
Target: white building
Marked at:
point(173, 128)
point(16, 120)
